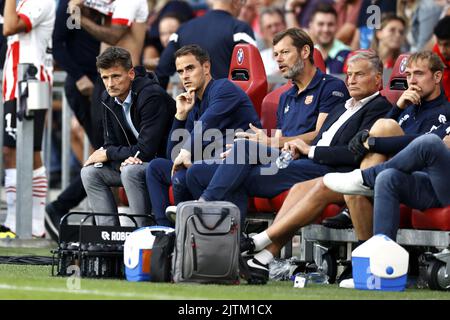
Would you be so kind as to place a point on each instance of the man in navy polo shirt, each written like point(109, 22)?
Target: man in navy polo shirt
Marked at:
point(207, 104)
point(301, 112)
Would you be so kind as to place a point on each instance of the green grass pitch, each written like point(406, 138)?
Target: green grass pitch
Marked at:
point(36, 282)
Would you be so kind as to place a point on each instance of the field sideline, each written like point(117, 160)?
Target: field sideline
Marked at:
point(36, 282)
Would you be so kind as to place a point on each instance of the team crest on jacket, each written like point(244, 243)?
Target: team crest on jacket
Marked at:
point(309, 99)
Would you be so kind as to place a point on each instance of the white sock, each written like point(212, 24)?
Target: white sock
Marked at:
point(39, 198)
point(264, 256)
point(10, 190)
point(261, 240)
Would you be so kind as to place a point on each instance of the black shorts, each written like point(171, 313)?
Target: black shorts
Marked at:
point(10, 127)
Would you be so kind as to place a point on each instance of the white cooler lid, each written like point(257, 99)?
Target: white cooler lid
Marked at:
point(387, 258)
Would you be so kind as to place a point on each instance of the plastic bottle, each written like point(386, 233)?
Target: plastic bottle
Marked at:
point(316, 277)
point(284, 159)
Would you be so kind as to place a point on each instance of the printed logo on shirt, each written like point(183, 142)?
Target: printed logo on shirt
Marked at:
point(442, 118)
point(447, 131)
point(240, 56)
point(337, 94)
point(286, 109)
point(403, 119)
point(309, 99)
point(432, 129)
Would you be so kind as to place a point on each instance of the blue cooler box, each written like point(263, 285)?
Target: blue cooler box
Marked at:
point(137, 252)
point(380, 264)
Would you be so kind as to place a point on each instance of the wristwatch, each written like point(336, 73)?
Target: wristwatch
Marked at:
point(371, 142)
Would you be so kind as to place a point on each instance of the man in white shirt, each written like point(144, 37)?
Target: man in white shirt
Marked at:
point(29, 28)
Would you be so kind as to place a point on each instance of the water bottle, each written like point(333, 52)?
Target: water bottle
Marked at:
point(284, 159)
point(316, 277)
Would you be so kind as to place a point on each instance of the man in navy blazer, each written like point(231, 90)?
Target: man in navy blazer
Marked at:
point(239, 177)
point(327, 153)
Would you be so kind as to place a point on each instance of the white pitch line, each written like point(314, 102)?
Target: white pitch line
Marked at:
point(96, 292)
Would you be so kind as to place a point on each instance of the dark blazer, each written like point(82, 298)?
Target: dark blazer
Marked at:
point(152, 112)
point(337, 154)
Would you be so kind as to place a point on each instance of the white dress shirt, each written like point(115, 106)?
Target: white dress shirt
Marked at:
point(352, 107)
point(126, 105)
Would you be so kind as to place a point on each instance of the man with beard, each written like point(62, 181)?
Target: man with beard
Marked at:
point(301, 113)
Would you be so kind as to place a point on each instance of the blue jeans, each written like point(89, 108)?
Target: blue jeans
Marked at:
point(158, 183)
point(248, 173)
point(418, 176)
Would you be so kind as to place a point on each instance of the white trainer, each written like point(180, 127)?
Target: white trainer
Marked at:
point(171, 213)
point(347, 284)
point(347, 183)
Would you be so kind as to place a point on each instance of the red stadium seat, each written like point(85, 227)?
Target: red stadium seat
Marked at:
point(397, 81)
point(247, 71)
point(330, 211)
point(432, 219)
point(405, 217)
point(269, 108)
point(318, 61)
point(123, 196)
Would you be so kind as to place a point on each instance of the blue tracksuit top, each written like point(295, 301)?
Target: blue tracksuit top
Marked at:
point(224, 106)
point(422, 118)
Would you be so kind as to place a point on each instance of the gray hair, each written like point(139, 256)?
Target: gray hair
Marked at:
point(370, 56)
point(271, 11)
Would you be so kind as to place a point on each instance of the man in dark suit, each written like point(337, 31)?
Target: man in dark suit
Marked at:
point(328, 153)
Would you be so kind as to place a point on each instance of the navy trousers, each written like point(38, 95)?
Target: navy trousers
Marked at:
point(249, 172)
point(158, 181)
point(418, 176)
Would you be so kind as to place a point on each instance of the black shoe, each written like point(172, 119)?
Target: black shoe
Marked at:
point(340, 221)
point(247, 245)
point(52, 220)
point(347, 273)
point(253, 271)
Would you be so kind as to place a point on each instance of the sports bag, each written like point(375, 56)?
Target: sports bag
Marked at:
point(206, 242)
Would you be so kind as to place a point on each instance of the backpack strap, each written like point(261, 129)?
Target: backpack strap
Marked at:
point(224, 213)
